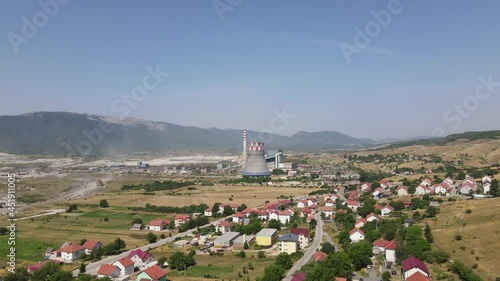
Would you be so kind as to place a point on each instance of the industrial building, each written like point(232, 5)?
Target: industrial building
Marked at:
point(226, 240)
point(240, 241)
point(266, 236)
point(255, 163)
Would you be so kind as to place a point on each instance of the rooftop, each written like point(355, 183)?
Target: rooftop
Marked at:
point(267, 232)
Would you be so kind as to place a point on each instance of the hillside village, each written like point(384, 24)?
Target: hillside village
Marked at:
point(376, 226)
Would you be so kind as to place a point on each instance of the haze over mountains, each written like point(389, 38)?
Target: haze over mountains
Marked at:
point(62, 132)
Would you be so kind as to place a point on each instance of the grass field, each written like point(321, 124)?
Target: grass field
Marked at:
point(249, 195)
point(479, 231)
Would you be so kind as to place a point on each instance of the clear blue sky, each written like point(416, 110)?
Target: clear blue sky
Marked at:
point(231, 73)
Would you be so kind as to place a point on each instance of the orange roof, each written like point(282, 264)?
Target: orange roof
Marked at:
point(156, 222)
point(73, 248)
point(319, 256)
point(182, 217)
point(356, 230)
point(126, 261)
point(417, 276)
point(106, 269)
point(340, 279)
point(90, 244)
point(155, 272)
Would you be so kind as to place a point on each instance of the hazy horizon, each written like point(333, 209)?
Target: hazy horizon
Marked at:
point(234, 68)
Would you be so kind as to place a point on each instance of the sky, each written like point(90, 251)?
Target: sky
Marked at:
point(282, 66)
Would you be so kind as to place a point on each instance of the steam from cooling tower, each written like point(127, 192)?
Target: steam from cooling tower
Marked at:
point(255, 164)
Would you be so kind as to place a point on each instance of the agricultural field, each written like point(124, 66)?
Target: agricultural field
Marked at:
point(249, 195)
point(33, 236)
point(469, 231)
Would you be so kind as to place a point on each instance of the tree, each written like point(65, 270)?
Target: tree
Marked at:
point(327, 248)
point(228, 211)
point(428, 233)
point(242, 207)
point(242, 254)
point(71, 208)
point(432, 212)
point(284, 260)
point(245, 245)
point(82, 268)
point(151, 237)
point(179, 261)
point(386, 276)
point(20, 274)
point(3, 230)
point(103, 203)
point(46, 271)
point(261, 254)
point(215, 209)
point(360, 254)
point(274, 224)
point(137, 220)
point(336, 265)
point(162, 261)
point(273, 273)
point(494, 189)
point(312, 224)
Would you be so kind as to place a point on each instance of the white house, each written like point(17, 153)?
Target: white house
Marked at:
point(366, 186)
point(413, 265)
point(422, 190)
point(441, 188)
point(449, 181)
point(330, 203)
point(356, 235)
point(426, 182)
point(402, 190)
point(285, 216)
point(303, 235)
point(140, 258)
point(91, 245)
point(486, 187)
point(328, 211)
point(302, 204)
point(108, 270)
point(353, 205)
point(223, 227)
point(311, 201)
point(372, 217)
point(486, 179)
point(208, 212)
point(384, 184)
point(239, 218)
point(274, 216)
point(71, 252)
point(126, 266)
point(360, 223)
point(157, 225)
point(386, 210)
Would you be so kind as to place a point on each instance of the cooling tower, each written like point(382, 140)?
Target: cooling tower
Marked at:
point(255, 164)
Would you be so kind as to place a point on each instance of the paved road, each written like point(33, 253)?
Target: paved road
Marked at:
point(310, 252)
point(93, 267)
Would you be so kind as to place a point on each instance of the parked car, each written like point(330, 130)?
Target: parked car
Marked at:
point(388, 266)
point(393, 272)
point(369, 266)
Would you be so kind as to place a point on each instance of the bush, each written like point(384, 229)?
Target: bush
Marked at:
point(103, 203)
point(261, 254)
point(106, 219)
point(458, 237)
point(468, 212)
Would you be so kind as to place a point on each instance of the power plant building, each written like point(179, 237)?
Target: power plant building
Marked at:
point(255, 164)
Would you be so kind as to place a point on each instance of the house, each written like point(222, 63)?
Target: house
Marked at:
point(356, 235)
point(126, 266)
point(39, 265)
point(140, 258)
point(418, 277)
point(262, 215)
point(329, 203)
point(390, 252)
point(288, 243)
point(108, 270)
point(486, 179)
point(449, 181)
point(423, 189)
point(137, 226)
point(413, 265)
point(377, 192)
point(266, 236)
point(360, 223)
point(157, 225)
point(241, 240)
point(310, 218)
point(248, 212)
point(441, 189)
point(319, 256)
point(379, 246)
point(71, 252)
point(486, 187)
point(409, 222)
point(274, 215)
point(285, 216)
point(208, 212)
point(299, 276)
point(154, 273)
point(181, 219)
point(353, 205)
point(402, 191)
point(353, 195)
point(239, 218)
point(303, 235)
point(328, 211)
point(91, 245)
point(366, 186)
point(384, 184)
point(372, 217)
point(426, 182)
point(305, 212)
point(406, 202)
point(302, 204)
point(386, 210)
point(223, 227)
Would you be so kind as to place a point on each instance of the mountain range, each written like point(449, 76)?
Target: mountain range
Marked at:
point(74, 133)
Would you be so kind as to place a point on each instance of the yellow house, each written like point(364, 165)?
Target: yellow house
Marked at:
point(288, 243)
point(266, 236)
